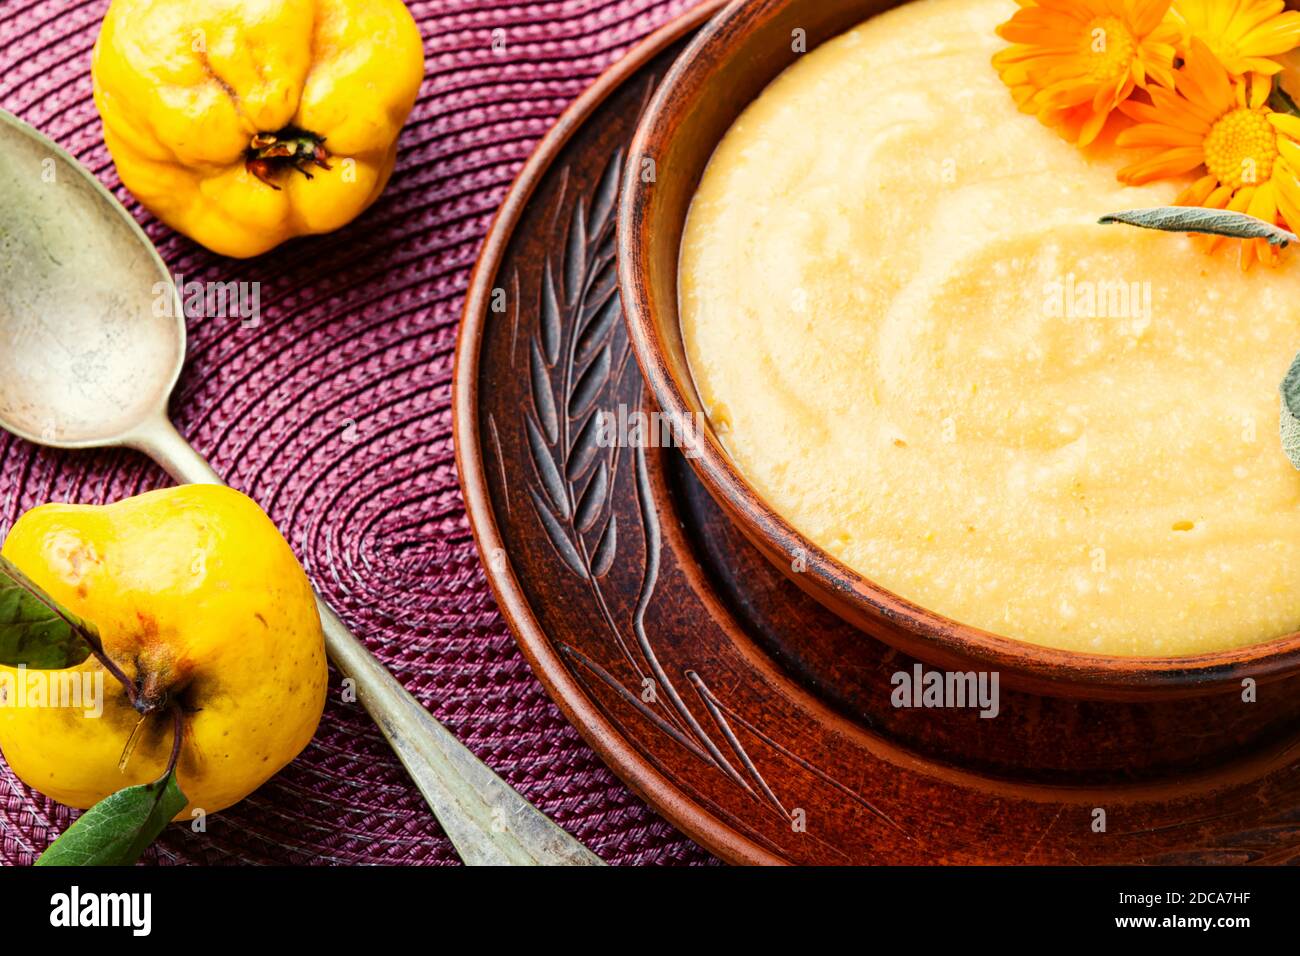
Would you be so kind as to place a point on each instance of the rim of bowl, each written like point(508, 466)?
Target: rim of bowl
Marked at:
point(1102, 675)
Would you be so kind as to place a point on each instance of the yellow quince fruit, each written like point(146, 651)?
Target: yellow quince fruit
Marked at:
point(243, 123)
point(199, 602)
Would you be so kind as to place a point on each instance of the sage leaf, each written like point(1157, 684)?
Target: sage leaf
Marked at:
point(1290, 419)
point(35, 630)
point(1217, 222)
point(116, 831)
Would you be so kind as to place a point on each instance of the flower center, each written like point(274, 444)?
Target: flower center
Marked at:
point(1240, 148)
point(1108, 48)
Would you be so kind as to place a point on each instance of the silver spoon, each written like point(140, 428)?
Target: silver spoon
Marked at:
point(86, 361)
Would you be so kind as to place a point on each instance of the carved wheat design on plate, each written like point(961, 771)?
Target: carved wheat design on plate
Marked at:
point(571, 363)
point(575, 357)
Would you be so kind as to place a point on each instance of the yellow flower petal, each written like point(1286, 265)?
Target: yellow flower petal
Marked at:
point(1083, 58)
point(1242, 34)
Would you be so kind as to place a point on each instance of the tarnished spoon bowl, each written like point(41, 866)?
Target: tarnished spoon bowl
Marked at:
point(92, 340)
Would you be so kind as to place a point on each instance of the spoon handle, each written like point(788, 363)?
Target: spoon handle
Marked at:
point(487, 820)
point(163, 443)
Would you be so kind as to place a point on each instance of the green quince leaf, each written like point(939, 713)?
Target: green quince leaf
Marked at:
point(115, 831)
point(35, 630)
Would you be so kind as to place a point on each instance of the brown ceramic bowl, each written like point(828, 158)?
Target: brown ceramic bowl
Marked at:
point(730, 62)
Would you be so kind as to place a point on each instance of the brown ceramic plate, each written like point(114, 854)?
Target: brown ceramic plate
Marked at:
point(724, 68)
point(745, 712)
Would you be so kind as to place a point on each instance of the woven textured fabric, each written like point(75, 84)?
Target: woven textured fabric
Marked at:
point(335, 414)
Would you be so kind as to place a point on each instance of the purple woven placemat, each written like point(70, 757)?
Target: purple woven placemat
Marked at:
point(335, 414)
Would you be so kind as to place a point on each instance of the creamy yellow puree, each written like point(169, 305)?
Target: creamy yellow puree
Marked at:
point(886, 281)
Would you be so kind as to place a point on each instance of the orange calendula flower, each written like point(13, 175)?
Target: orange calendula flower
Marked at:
point(1286, 169)
point(1222, 127)
point(1074, 61)
point(1243, 34)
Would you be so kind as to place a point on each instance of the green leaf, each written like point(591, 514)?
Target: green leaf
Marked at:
point(1217, 222)
point(1290, 425)
point(36, 630)
point(115, 831)
point(1281, 102)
